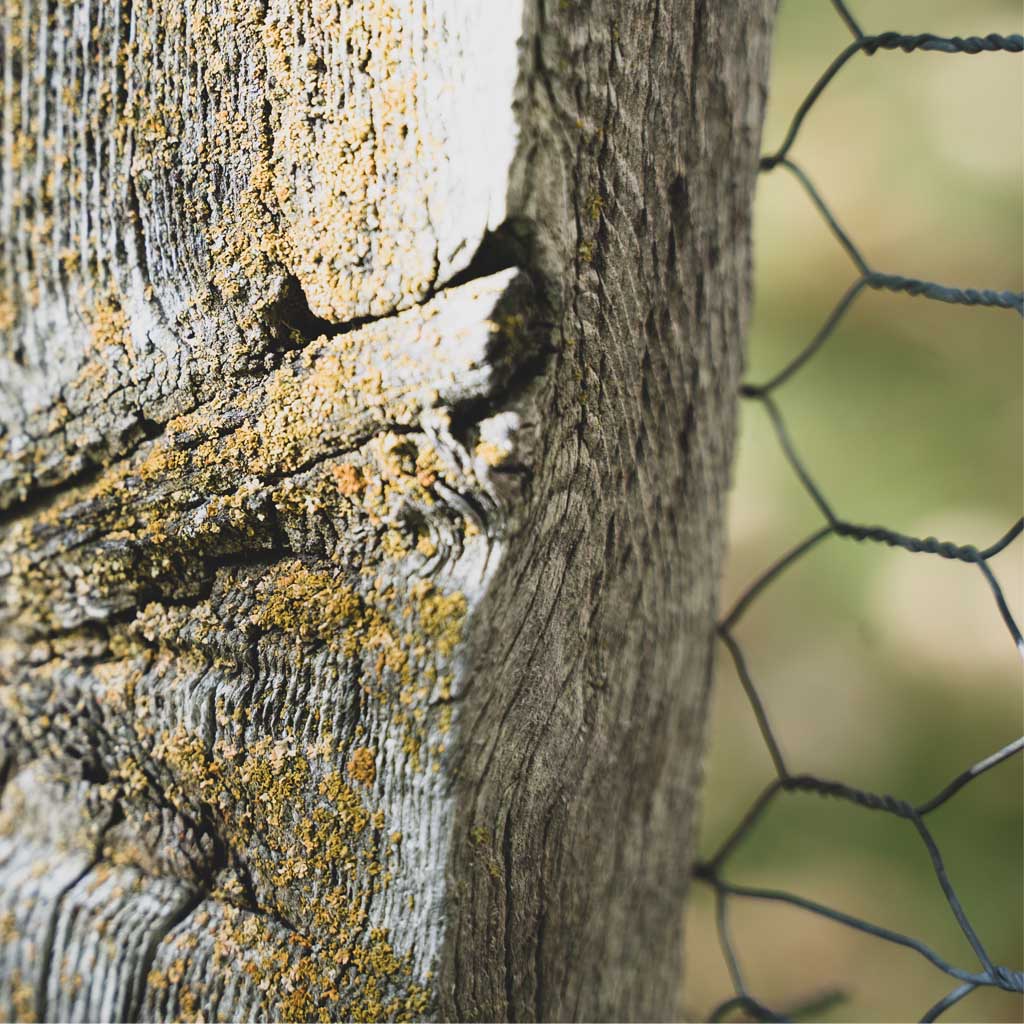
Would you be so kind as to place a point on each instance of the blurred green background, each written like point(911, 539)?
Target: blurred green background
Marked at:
point(887, 670)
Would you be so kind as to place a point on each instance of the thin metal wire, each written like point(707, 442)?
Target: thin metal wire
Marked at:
point(954, 787)
point(1003, 979)
point(848, 18)
point(887, 41)
point(756, 390)
point(769, 575)
point(947, 1001)
point(710, 871)
point(813, 1007)
point(896, 282)
point(755, 702)
point(751, 1006)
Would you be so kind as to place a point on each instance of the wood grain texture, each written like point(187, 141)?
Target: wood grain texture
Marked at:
point(583, 728)
point(366, 411)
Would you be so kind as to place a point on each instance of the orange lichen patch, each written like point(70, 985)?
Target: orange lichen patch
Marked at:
point(362, 767)
point(117, 679)
point(107, 360)
point(306, 603)
point(394, 545)
point(428, 467)
point(8, 312)
point(348, 478)
point(491, 453)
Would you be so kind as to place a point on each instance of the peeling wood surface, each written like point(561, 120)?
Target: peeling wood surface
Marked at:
point(367, 376)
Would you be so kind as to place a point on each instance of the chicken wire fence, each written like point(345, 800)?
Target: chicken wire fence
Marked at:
point(964, 979)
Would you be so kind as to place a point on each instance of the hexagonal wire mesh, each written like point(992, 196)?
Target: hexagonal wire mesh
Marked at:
point(711, 870)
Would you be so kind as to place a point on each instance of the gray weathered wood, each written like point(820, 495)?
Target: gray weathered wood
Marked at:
point(367, 387)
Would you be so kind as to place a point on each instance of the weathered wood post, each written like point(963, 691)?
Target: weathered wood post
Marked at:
point(367, 385)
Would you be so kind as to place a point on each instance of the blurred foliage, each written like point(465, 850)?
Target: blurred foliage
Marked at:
point(887, 670)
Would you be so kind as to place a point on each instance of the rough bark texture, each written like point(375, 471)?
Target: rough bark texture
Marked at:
point(366, 409)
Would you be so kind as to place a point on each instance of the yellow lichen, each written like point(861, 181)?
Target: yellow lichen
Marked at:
point(250, 464)
point(493, 454)
point(442, 616)
point(306, 603)
point(362, 767)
